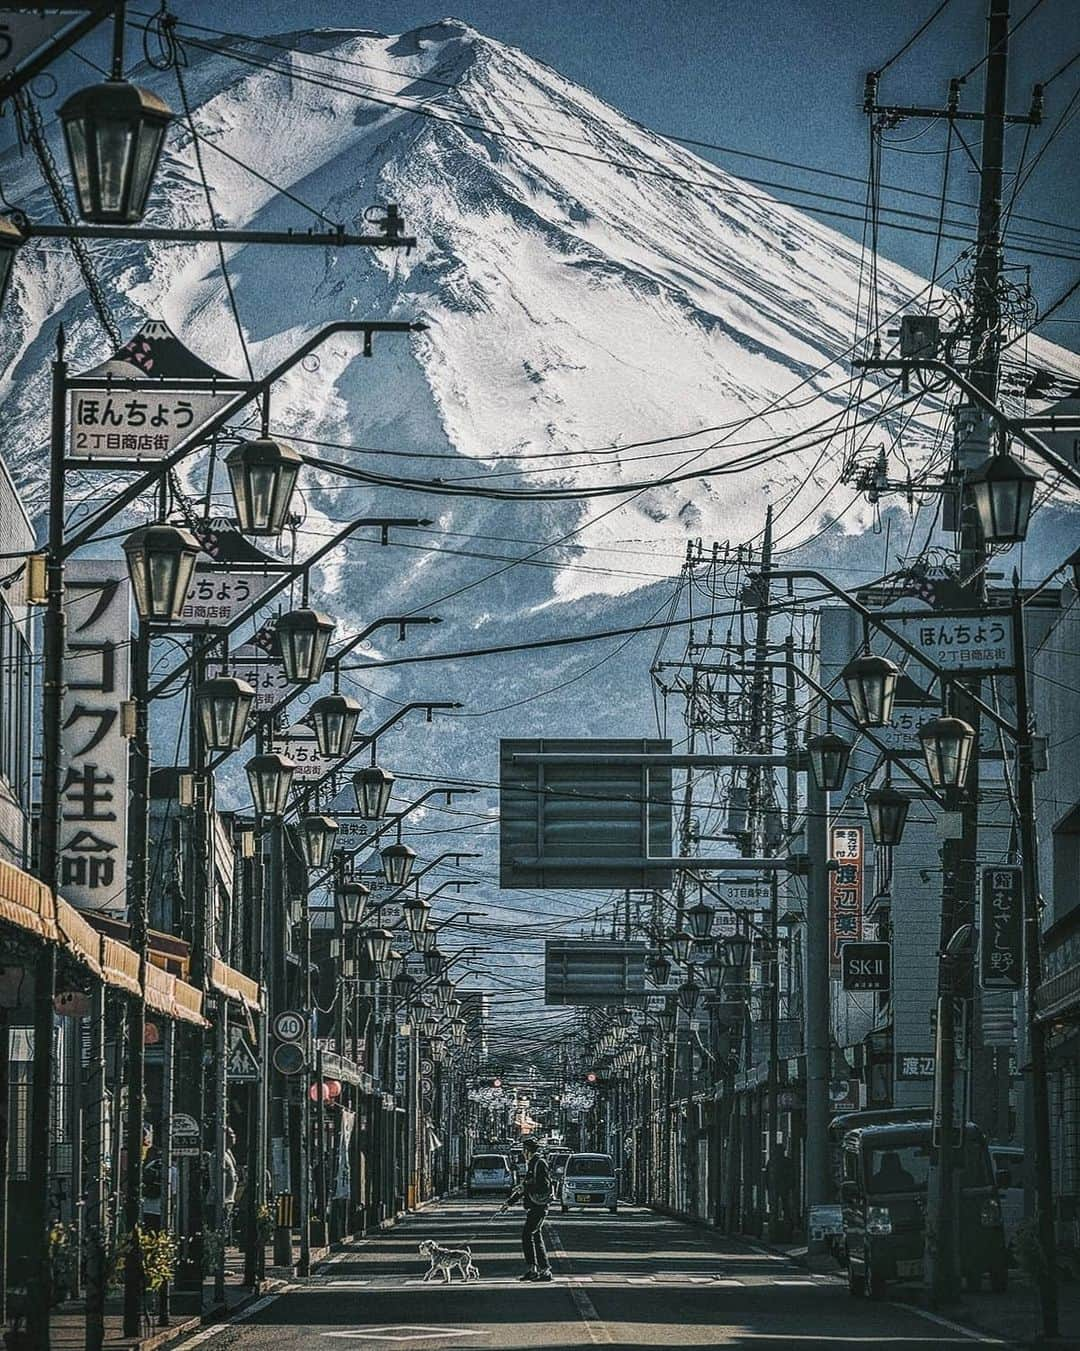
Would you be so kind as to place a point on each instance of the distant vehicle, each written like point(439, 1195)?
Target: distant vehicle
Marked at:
point(556, 1159)
point(885, 1171)
point(589, 1180)
point(488, 1173)
point(1008, 1161)
point(518, 1163)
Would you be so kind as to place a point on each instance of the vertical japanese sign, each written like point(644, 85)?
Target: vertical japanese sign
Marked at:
point(845, 890)
point(94, 754)
point(1001, 929)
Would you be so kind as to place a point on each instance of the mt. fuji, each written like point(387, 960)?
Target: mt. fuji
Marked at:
point(601, 305)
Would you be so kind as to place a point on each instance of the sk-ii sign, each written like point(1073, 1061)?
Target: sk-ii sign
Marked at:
point(1001, 928)
point(865, 966)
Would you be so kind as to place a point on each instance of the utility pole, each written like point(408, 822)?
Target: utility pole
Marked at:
point(960, 849)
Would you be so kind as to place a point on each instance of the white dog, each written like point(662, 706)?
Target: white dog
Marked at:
point(444, 1260)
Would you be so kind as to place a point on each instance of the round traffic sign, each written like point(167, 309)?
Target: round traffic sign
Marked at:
point(288, 1058)
point(288, 1025)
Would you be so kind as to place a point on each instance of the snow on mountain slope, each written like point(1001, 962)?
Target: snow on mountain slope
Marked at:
point(572, 303)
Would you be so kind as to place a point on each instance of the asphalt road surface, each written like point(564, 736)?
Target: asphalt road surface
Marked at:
point(633, 1279)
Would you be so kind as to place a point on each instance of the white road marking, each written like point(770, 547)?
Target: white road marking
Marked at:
point(597, 1330)
point(241, 1317)
point(407, 1332)
point(972, 1334)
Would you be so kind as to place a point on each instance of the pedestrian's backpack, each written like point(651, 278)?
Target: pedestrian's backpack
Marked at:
point(536, 1197)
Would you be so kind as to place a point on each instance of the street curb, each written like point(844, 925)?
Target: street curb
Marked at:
point(218, 1314)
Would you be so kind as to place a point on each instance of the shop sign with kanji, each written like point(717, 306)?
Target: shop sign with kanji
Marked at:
point(263, 672)
point(915, 1064)
point(845, 891)
point(978, 641)
point(299, 744)
point(1001, 928)
point(94, 754)
point(216, 597)
point(145, 400)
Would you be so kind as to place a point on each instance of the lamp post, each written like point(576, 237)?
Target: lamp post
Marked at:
point(948, 744)
point(871, 685)
point(1002, 490)
point(304, 639)
point(223, 705)
point(373, 786)
point(263, 474)
point(829, 755)
point(270, 778)
point(317, 836)
point(334, 718)
point(397, 863)
point(161, 560)
point(887, 810)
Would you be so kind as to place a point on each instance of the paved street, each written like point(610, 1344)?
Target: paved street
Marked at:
point(632, 1280)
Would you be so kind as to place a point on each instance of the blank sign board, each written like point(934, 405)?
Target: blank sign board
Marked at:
point(608, 818)
point(593, 971)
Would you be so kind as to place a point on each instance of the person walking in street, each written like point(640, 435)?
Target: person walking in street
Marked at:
point(535, 1193)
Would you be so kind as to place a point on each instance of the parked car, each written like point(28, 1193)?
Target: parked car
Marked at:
point(589, 1180)
point(556, 1160)
point(518, 1163)
point(1008, 1161)
point(885, 1170)
point(488, 1173)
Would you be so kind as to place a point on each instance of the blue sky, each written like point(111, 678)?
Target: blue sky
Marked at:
point(782, 78)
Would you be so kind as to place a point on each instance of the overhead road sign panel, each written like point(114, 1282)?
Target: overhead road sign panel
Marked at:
point(610, 818)
point(593, 971)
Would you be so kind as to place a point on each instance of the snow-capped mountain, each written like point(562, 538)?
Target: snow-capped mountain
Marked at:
point(586, 285)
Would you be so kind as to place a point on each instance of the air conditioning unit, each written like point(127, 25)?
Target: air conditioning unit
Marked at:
point(920, 335)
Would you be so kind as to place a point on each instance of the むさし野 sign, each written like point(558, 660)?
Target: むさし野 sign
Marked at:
point(94, 753)
point(845, 890)
point(1001, 928)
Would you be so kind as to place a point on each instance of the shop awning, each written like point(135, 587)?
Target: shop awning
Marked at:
point(174, 998)
point(26, 902)
point(119, 965)
point(79, 936)
point(235, 985)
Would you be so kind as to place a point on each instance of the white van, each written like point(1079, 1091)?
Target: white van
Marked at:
point(589, 1180)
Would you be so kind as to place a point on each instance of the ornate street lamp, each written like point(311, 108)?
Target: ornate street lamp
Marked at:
point(734, 952)
point(659, 969)
point(304, 638)
point(395, 965)
point(700, 918)
point(334, 718)
point(434, 961)
point(947, 745)
point(403, 986)
point(378, 943)
point(681, 943)
point(160, 559)
point(1002, 489)
point(397, 863)
point(713, 971)
point(429, 1025)
point(444, 988)
point(114, 133)
point(665, 1019)
point(458, 1030)
point(317, 836)
point(688, 995)
point(887, 810)
point(11, 238)
point(417, 912)
point(829, 755)
point(223, 704)
point(871, 686)
point(263, 475)
point(424, 940)
point(350, 901)
point(270, 778)
point(372, 786)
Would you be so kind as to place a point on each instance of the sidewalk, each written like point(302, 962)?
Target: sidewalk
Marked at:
point(1015, 1316)
point(68, 1322)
